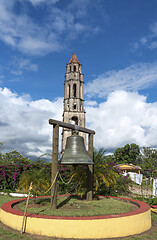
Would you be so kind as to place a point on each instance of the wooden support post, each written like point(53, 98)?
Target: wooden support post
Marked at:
point(89, 195)
point(54, 166)
point(24, 216)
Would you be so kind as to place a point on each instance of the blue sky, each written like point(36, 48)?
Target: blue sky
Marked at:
point(115, 41)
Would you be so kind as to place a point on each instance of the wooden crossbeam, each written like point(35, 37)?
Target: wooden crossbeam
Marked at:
point(71, 126)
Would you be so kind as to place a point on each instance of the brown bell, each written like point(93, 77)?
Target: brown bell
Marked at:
point(75, 152)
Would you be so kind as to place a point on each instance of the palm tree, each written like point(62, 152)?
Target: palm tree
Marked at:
point(104, 174)
point(40, 181)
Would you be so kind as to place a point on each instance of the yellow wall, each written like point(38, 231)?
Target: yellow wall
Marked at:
point(154, 210)
point(83, 229)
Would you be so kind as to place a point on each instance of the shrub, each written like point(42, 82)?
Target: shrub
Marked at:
point(12, 164)
point(151, 200)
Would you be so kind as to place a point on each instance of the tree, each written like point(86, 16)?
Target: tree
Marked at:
point(104, 174)
point(130, 153)
point(14, 157)
point(149, 162)
point(0, 152)
point(40, 182)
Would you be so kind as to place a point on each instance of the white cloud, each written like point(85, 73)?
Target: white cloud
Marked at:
point(24, 123)
point(124, 118)
point(18, 65)
point(90, 103)
point(37, 46)
point(37, 2)
point(34, 36)
point(143, 40)
point(134, 46)
point(153, 45)
point(153, 29)
point(132, 78)
point(149, 40)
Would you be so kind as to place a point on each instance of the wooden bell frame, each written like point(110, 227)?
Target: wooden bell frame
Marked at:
point(56, 124)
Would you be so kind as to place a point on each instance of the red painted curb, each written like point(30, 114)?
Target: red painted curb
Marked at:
point(143, 207)
point(154, 206)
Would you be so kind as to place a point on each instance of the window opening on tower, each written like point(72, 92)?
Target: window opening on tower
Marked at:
point(74, 90)
point(75, 106)
point(74, 68)
point(75, 120)
point(69, 91)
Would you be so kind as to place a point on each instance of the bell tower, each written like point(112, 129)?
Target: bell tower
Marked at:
point(74, 111)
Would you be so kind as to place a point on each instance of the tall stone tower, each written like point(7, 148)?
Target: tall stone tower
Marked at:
point(74, 112)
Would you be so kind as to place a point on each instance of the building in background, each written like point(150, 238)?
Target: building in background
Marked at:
point(126, 167)
point(74, 111)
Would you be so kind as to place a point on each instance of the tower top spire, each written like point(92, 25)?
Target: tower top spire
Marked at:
point(74, 59)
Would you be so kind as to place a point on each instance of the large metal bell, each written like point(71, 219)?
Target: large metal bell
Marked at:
point(75, 152)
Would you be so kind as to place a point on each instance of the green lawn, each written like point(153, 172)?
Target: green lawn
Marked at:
point(5, 232)
point(71, 206)
point(9, 234)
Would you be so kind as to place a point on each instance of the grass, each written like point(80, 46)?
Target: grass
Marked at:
point(6, 198)
point(9, 234)
point(6, 234)
point(72, 206)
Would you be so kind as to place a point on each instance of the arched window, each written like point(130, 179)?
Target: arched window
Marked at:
point(74, 90)
point(74, 120)
point(74, 68)
point(70, 68)
point(69, 91)
point(74, 106)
